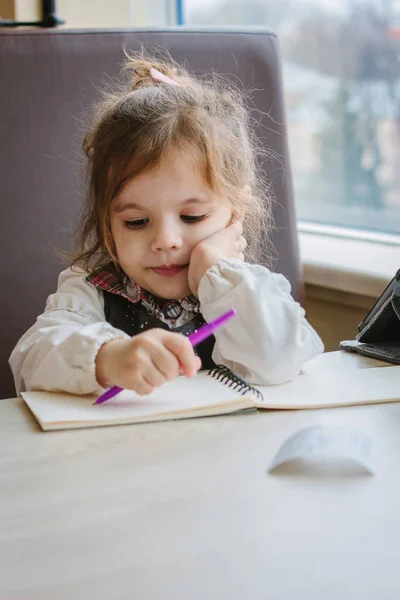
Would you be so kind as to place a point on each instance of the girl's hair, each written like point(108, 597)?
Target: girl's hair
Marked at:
point(147, 119)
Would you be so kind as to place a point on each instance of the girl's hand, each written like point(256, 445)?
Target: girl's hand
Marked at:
point(227, 243)
point(146, 361)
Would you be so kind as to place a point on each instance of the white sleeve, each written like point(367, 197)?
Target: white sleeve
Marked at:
point(269, 339)
point(58, 352)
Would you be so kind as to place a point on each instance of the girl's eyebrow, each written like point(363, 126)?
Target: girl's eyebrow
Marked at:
point(131, 205)
point(127, 205)
point(195, 201)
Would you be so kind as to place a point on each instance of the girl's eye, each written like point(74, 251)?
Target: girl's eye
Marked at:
point(192, 218)
point(137, 224)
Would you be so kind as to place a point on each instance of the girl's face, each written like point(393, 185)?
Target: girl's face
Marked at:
point(157, 220)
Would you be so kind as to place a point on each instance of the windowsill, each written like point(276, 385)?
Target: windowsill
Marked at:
point(354, 266)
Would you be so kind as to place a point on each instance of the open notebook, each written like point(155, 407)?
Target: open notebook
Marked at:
point(217, 395)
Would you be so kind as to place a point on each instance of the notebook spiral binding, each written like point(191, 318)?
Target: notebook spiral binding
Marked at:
point(229, 378)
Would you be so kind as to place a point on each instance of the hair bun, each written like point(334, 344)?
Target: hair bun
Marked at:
point(143, 72)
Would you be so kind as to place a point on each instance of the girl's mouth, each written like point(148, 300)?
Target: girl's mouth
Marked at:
point(169, 270)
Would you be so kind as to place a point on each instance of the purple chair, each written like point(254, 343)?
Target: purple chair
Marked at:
point(47, 79)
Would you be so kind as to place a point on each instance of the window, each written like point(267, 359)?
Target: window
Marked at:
point(341, 70)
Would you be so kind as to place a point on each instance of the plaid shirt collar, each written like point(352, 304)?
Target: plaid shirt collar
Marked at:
point(111, 280)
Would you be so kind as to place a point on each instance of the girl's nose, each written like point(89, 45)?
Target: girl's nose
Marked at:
point(167, 237)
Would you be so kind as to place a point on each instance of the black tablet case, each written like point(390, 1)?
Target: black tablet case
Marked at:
point(379, 332)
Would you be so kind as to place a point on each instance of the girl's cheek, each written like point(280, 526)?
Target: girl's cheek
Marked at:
point(211, 227)
point(200, 235)
point(125, 245)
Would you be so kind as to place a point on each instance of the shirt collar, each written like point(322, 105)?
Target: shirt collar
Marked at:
point(112, 280)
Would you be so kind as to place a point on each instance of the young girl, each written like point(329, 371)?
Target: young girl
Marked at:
point(173, 196)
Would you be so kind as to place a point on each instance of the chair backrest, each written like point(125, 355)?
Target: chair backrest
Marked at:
point(47, 80)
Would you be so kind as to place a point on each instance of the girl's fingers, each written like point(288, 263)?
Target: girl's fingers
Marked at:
point(183, 351)
point(166, 363)
point(242, 244)
point(239, 224)
point(142, 386)
point(236, 227)
point(198, 366)
point(153, 375)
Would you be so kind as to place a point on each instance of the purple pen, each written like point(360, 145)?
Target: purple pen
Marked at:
point(195, 338)
point(208, 329)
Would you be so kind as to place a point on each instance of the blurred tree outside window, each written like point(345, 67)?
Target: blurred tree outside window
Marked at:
point(341, 71)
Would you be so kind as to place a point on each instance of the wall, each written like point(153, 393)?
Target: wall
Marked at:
point(103, 13)
point(335, 315)
point(96, 13)
point(7, 9)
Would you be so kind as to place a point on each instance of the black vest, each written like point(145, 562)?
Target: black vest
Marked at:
point(134, 318)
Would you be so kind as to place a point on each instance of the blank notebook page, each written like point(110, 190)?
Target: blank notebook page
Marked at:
point(203, 395)
point(334, 387)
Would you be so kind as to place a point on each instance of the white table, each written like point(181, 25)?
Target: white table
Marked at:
point(186, 510)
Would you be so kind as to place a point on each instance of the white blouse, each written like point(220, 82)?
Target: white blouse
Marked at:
point(266, 343)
